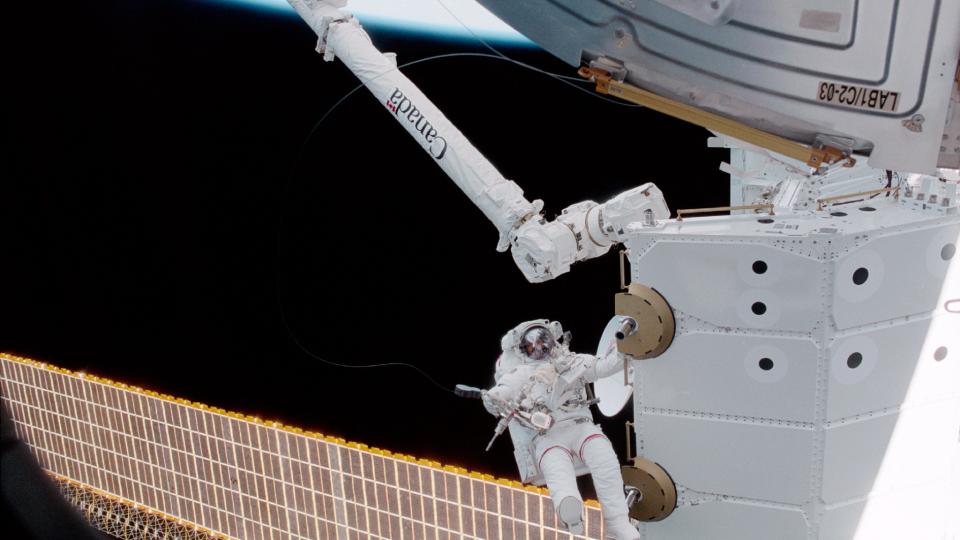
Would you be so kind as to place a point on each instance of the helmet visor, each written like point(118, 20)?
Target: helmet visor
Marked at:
point(537, 343)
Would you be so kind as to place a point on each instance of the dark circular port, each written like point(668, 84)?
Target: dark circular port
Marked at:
point(867, 209)
point(948, 251)
point(940, 353)
point(765, 220)
point(860, 276)
point(759, 267)
point(854, 360)
point(838, 214)
point(758, 308)
point(766, 364)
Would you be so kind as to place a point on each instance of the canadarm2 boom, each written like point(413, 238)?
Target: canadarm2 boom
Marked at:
point(542, 249)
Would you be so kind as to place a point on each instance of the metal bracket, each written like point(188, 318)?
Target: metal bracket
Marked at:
point(612, 68)
point(830, 200)
point(765, 206)
point(830, 149)
point(610, 81)
point(623, 271)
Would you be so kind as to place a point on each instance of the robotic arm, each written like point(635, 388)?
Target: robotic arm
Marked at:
point(542, 249)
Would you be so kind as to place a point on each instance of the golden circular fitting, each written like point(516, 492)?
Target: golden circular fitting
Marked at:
point(658, 493)
point(655, 323)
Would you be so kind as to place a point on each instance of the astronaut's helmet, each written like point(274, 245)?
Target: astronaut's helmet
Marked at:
point(537, 343)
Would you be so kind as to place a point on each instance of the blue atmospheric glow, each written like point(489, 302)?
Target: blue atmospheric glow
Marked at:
point(429, 17)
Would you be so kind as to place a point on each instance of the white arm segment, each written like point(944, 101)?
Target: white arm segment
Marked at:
point(542, 250)
point(341, 36)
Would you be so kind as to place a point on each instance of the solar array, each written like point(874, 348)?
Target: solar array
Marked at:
point(238, 476)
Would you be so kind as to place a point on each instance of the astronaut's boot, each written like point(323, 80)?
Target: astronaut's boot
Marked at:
point(570, 513)
point(619, 529)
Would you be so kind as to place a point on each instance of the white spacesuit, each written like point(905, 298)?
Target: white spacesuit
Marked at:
point(537, 373)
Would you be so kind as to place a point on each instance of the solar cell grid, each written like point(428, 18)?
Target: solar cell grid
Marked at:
point(403, 485)
point(519, 514)
point(440, 499)
point(454, 504)
point(594, 522)
point(493, 525)
point(407, 527)
point(246, 478)
point(417, 499)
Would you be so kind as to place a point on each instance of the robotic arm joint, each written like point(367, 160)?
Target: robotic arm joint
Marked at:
point(544, 250)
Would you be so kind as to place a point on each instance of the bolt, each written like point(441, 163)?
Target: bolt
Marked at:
point(914, 123)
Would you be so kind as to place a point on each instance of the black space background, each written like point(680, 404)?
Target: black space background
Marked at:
point(158, 190)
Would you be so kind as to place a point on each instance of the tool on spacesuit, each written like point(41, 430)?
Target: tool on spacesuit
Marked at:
point(470, 392)
point(501, 427)
point(537, 420)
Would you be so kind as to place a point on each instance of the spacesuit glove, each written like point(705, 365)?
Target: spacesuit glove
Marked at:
point(494, 402)
point(490, 404)
point(563, 362)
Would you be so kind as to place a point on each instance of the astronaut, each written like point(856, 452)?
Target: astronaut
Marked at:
point(537, 373)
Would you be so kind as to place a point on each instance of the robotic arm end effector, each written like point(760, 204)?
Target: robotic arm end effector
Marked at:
point(544, 250)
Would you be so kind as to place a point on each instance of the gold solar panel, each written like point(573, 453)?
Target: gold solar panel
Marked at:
point(138, 462)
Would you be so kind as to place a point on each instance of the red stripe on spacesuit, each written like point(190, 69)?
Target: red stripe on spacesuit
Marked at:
point(540, 461)
point(588, 439)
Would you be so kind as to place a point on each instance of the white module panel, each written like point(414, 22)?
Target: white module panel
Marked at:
point(717, 455)
point(775, 371)
point(835, 402)
point(892, 276)
point(734, 283)
point(716, 519)
point(872, 369)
